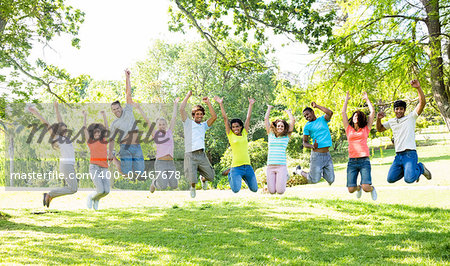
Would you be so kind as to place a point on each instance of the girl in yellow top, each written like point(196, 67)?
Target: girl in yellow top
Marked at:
point(237, 136)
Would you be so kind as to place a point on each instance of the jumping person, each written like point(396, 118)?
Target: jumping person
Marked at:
point(317, 128)
point(406, 161)
point(237, 133)
point(60, 141)
point(195, 159)
point(164, 165)
point(357, 129)
point(279, 132)
point(125, 127)
point(98, 166)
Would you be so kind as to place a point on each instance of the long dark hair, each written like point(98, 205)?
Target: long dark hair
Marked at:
point(362, 119)
point(57, 132)
point(94, 127)
point(273, 127)
point(237, 120)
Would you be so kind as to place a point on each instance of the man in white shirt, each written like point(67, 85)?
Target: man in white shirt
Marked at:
point(403, 127)
point(195, 160)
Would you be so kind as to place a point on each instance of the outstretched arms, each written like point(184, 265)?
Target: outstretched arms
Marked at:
point(174, 114)
point(328, 112)
point(139, 108)
point(183, 106)
point(224, 114)
point(128, 86)
point(371, 109)
point(213, 117)
point(58, 115)
point(291, 121)
point(344, 111)
point(266, 118)
point(251, 101)
point(422, 101)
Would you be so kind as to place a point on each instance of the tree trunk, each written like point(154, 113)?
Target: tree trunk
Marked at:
point(440, 91)
point(11, 160)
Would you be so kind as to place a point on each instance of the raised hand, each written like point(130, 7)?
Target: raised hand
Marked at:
point(189, 94)
point(313, 104)
point(364, 96)
point(84, 113)
point(288, 111)
point(381, 115)
point(347, 96)
point(205, 99)
point(218, 99)
point(127, 73)
point(415, 83)
point(251, 100)
point(176, 100)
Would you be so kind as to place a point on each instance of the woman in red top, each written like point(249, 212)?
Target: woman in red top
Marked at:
point(357, 129)
point(98, 167)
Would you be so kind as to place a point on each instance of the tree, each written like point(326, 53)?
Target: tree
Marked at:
point(217, 21)
point(23, 24)
point(384, 44)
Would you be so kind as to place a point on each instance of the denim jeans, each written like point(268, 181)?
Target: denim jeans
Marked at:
point(321, 165)
point(405, 165)
point(242, 172)
point(356, 166)
point(131, 158)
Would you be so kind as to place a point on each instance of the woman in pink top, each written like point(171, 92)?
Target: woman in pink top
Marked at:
point(165, 170)
point(357, 129)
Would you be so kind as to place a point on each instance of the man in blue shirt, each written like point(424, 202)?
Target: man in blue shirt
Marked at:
point(317, 128)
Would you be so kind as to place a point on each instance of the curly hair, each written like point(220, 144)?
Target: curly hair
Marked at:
point(237, 120)
point(273, 127)
point(362, 119)
point(96, 127)
point(198, 108)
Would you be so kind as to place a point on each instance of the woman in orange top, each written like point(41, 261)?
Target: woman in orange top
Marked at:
point(98, 167)
point(357, 129)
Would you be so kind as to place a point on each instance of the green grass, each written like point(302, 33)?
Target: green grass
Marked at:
point(269, 230)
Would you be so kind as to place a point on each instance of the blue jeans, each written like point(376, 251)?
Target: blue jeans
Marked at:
point(405, 165)
point(131, 158)
point(242, 172)
point(321, 165)
point(356, 166)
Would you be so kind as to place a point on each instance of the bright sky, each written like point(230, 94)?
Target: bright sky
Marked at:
point(116, 34)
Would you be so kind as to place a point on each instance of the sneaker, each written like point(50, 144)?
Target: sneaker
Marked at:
point(226, 172)
point(204, 184)
point(373, 193)
point(95, 204)
point(359, 193)
point(192, 189)
point(426, 172)
point(89, 202)
point(46, 200)
point(152, 188)
point(298, 170)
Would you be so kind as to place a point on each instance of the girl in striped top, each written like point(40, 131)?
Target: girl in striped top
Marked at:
point(279, 132)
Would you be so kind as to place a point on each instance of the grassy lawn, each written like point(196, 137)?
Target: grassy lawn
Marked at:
point(310, 224)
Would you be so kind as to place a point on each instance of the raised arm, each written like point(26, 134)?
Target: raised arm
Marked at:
point(380, 127)
point(251, 101)
point(224, 114)
point(105, 120)
point(344, 111)
point(58, 115)
point(422, 101)
point(174, 114)
point(266, 118)
point(291, 121)
point(213, 117)
point(183, 106)
point(36, 113)
point(85, 130)
point(371, 109)
point(128, 86)
point(328, 112)
point(139, 108)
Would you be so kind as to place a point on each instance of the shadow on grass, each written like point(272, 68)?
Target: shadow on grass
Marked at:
point(276, 230)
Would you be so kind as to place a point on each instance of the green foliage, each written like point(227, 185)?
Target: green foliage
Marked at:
point(219, 21)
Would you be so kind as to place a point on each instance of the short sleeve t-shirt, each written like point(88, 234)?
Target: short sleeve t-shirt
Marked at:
point(357, 142)
point(277, 149)
point(239, 148)
point(125, 123)
point(99, 153)
point(164, 143)
point(403, 130)
point(194, 135)
point(318, 130)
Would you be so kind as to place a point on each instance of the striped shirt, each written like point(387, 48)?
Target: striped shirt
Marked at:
point(277, 149)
